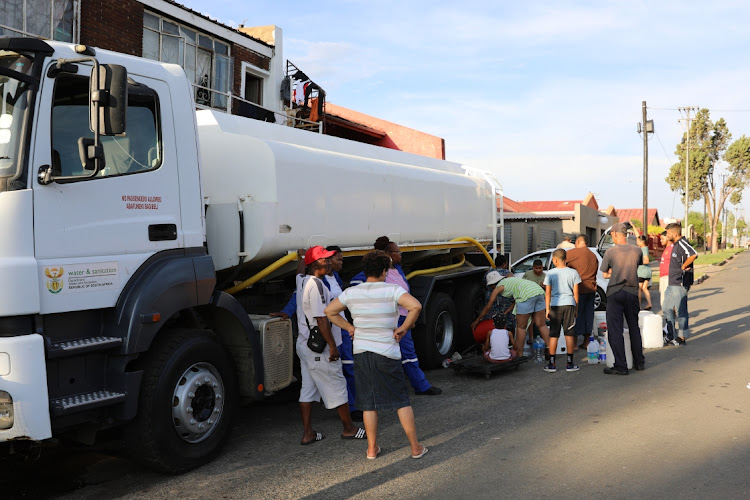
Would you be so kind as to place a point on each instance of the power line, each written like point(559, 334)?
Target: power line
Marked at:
point(662, 147)
point(710, 109)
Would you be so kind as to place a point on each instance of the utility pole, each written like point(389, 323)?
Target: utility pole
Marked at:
point(687, 109)
point(648, 126)
point(705, 228)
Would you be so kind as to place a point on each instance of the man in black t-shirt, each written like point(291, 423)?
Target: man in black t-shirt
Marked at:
point(675, 305)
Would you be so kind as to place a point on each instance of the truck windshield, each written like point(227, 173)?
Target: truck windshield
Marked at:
point(15, 71)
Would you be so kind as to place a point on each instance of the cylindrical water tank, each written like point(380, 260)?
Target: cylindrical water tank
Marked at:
point(296, 189)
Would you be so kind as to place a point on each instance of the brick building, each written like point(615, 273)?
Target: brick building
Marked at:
point(241, 71)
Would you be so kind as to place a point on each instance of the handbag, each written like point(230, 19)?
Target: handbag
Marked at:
point(315, 341)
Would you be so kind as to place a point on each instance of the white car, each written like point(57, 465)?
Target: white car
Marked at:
point(526, 263)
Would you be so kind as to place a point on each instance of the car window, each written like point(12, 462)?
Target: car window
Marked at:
point(528, 262)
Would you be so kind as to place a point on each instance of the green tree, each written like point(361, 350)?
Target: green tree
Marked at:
point(695, 219)
point(708, 143)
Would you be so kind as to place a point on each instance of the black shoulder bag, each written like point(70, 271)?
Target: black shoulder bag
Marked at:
point(315, 341)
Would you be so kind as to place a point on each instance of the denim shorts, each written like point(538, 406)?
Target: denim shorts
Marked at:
point(532, 305)
point(380, 383)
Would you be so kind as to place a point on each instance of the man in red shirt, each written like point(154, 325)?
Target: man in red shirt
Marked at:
point(664, 274)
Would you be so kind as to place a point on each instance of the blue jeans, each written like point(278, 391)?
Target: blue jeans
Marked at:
point(410, 362)
point(676, 301)
point(585, 318)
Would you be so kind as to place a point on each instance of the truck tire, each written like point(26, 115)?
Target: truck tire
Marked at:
point(186, 403)
point(600, 300)
point(437, 340)
point(469, 302)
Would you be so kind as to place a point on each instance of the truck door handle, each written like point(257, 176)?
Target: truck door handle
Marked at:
point(162, 232)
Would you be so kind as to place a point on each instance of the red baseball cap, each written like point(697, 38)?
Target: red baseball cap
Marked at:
point(317, 252)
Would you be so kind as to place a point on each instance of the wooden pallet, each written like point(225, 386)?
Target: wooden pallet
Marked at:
point(477, 364)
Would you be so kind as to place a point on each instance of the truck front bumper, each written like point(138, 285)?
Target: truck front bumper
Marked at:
point(24, 403)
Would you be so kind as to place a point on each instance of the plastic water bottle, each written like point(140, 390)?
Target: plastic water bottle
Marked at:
point(593, 351)
point(447, 362)
point(603, 351)
point(539, 350)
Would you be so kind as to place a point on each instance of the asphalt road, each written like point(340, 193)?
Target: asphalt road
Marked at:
point(678, 429)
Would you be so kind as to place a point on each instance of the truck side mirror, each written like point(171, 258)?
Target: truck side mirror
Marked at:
point(109, 88)
point(89, 153)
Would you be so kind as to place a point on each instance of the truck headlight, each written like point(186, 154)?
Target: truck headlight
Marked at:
point(6, 411)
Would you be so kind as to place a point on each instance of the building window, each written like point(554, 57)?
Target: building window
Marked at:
point(205, 59)
point(253, 88)
point(50, 19)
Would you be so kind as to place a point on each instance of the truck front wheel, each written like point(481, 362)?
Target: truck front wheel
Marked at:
point(438, 339)
point(187, 400)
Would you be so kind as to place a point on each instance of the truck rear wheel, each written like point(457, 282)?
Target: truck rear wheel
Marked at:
point(469, 303)
point(438, 339)
point(187, 400)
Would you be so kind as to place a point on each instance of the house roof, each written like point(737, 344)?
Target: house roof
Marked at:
point(218, 23)
point(551, 206)
point(628, 214)
point(513, 206)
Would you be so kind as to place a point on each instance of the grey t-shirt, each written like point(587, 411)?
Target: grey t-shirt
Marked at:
point(624, 261)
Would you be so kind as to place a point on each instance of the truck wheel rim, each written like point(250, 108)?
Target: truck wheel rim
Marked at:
point(444, 333)
point(197, 402)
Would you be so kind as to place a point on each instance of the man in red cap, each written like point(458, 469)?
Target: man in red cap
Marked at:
point(322, 374)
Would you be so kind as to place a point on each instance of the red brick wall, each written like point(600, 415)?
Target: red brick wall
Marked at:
point(240, 55)
point(113, 25)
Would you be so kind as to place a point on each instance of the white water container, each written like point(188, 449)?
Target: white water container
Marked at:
point(651, 332)
point(628, 352)
point(562, 347)
point(641, 316)
point(599, 317)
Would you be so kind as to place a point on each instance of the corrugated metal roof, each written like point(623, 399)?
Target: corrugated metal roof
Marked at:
point(226, 26)
point(628, 214)
point(551, 206)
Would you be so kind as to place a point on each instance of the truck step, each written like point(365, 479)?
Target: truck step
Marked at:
point(81, 402)
point(72, 347)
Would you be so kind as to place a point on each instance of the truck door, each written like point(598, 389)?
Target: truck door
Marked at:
point(92, 234)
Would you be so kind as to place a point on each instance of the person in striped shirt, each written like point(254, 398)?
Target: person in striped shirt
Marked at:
point(378, 376)
point(529, 299)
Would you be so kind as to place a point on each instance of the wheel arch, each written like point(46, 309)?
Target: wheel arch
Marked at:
point(178, 285)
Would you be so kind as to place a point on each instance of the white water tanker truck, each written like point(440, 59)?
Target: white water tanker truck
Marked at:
point(126, 217)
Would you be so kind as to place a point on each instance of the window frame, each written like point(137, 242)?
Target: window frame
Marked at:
point(75, 6)
point(157, 128)
point(257, 72)
point(217, 99)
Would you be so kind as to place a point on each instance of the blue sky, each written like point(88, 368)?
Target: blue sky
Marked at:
point(546, 95)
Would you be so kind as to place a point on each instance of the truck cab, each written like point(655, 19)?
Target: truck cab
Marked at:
point(106, 288)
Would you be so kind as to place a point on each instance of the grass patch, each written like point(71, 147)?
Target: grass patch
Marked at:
point(714, 258)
